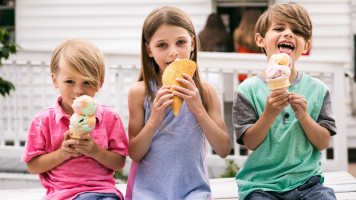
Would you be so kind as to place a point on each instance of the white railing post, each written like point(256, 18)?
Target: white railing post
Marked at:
point(33, 80)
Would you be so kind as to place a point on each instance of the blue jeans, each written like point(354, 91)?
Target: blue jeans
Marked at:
point(310, 190)
point(97, 196)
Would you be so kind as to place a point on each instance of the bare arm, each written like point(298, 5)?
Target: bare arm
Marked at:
point(210, 120)
point(140, 134)
point(87, 146)
point(317, 135)
point(46, 162)
point(257, 133)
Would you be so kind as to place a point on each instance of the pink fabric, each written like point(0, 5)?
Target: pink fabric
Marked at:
point(131, 179)
point(76, 175)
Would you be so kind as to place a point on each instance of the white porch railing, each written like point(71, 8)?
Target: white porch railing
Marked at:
point(34, 91)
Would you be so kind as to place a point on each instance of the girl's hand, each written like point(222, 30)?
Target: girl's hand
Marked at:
point(189, 94)
point(276, 101)
point(160, 104)
point(67, 147)
point(87, 145)
point(298, 104)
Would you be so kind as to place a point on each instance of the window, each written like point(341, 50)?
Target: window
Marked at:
point(7, 17)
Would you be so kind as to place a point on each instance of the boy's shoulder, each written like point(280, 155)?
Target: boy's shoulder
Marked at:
point(107, 110)
point(251, 82)
point(313, 82)
point(46, 112)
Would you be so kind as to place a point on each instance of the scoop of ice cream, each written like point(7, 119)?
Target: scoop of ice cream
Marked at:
point(84, 123)
point(84, 105)
point(279, 66)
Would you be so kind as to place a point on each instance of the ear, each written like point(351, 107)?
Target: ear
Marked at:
point(260, 41)
point(192, 47)
point(307, 46)
point(54, 80)
point(148, 50)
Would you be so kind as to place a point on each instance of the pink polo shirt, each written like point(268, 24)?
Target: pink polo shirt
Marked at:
point(76, 175)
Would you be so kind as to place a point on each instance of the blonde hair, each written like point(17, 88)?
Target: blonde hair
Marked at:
point(82, 58)
point(244, 34)
point(291, 13)
point(166, 15)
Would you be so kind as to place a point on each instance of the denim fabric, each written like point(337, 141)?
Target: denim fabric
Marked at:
point(97, 196)
point(310, 190)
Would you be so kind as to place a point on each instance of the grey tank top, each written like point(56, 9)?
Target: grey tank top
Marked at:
point(174, 166)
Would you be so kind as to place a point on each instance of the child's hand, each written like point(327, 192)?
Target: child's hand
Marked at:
point(160, 104)
point(189, 94)
point(298, 104)
point(67, 147)
point(87, 146)
point(276, 101)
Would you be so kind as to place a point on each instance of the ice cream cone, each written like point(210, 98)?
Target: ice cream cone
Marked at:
point(173, 71)
point(83, 119)
point(75, 133)
point(278, 83)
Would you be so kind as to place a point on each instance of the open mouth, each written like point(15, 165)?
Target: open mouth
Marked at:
point(285, 47)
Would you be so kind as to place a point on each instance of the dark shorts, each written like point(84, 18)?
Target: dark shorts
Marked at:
point(97, 196)
point(310, 190)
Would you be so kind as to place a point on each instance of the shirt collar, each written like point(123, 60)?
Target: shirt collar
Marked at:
point(59, 112)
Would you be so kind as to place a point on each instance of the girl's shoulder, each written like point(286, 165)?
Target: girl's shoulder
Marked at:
point(138, 88)
point(209, 90)
point(137, 93)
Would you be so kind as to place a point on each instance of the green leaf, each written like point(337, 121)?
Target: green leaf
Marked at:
point(6, 49)
point(6, 87)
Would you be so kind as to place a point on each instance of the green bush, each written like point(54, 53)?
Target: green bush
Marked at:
point(119, 175)
point(231, 169)
point(6, 49)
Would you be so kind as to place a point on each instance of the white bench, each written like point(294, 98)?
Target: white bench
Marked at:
point(342, 182)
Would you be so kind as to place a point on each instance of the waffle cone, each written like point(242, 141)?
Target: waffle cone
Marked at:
point(75, 133)
point(278, 83)
point(173, 71)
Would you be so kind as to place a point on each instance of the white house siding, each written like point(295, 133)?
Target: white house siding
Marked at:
point(115, 25)
point(110, 24)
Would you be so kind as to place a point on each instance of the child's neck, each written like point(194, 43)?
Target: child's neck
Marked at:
point(67, 109)
point(293, 75)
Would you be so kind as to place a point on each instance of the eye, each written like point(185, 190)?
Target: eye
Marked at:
point(161, 45)
point(297, 32)
point(69, 81)
point(181, 42)
point(278, 29)
point(86, 83)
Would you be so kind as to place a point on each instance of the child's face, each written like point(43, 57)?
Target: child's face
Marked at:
point(281, 37)
point(169, 43)
point(71, 87)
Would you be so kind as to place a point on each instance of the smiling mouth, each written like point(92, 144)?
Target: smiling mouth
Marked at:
point(285, 47)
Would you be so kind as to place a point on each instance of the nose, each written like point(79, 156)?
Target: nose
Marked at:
point(288, 33)
point(173, 52)
point(78, 91)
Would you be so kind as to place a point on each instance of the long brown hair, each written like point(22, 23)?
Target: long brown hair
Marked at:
point(214, 36)
point(169, 16)
point(244, 34)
